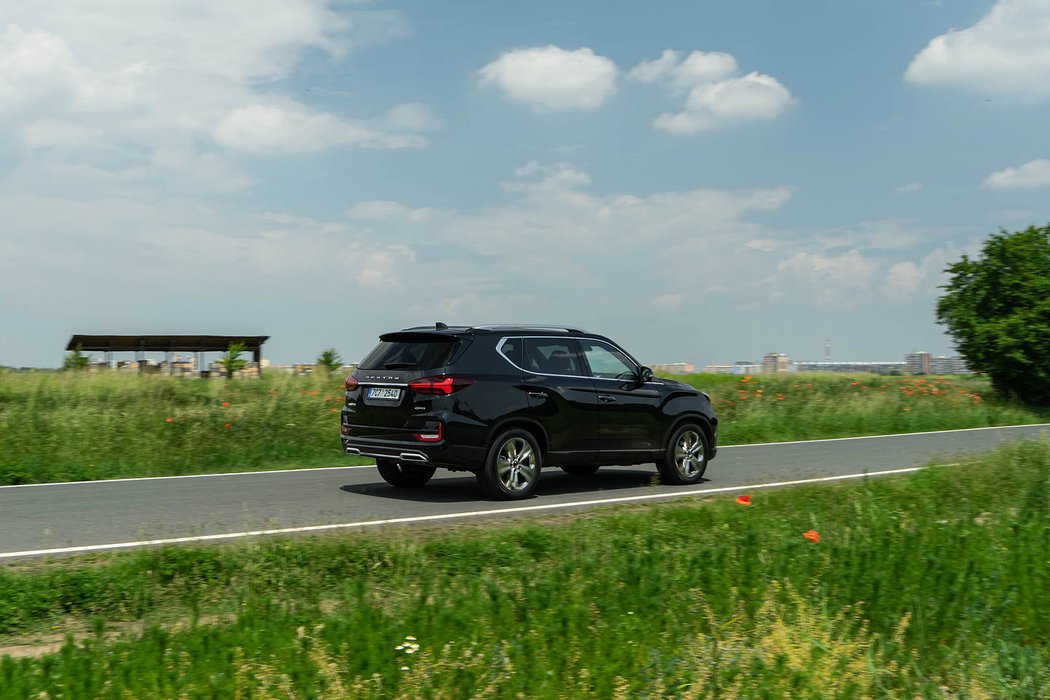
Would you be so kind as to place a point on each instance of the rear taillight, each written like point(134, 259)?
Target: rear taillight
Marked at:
point(439, 386)
point(431, 435)
point(351, 383)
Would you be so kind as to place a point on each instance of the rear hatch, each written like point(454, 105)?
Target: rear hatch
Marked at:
point(382, 406)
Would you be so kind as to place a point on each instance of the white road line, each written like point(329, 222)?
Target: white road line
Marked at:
point(370, 466)
point(451, 516)
point(891, 435)
point(189, 476)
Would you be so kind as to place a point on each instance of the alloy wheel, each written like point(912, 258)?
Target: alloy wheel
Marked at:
point(516, 464)
point(689, 454)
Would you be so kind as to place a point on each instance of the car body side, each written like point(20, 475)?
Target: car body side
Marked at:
point(566, 413)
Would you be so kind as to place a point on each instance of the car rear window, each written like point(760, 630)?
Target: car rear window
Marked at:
point(410, 352)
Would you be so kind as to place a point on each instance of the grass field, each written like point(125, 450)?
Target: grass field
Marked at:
point(78, 426)
point(931, 586)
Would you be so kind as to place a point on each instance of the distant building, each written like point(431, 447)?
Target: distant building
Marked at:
point(924, 363)
point(918, 362)
point(718, 369)
point(674, 368)
point(775, 362)
point(851, 367)
point(948, 365)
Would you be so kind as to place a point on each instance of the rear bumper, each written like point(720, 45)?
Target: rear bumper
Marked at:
point(442, 454)
point(389, 453)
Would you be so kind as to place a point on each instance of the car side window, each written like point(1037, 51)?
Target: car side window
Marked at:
point(511, 349)
point(607, 362)
point(552, 356)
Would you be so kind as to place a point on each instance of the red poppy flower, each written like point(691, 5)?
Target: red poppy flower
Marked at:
point(812, 535)
point(168, 420)
point(225, 404)
point(228, 425)
point(744, 500)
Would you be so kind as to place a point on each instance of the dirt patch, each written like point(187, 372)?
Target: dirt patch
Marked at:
point(34, 646)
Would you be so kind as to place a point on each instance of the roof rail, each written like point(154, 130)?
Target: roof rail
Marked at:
point(528, 326)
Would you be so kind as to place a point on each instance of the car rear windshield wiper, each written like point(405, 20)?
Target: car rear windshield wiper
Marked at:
point(400, 365)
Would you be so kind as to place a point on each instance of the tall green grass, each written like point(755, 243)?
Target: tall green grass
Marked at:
point(785, 407)
point(934, 585)
point(80, 426)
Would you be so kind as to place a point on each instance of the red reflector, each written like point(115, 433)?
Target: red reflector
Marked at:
point(434, 436)
point(351, 383)
point(435, 386)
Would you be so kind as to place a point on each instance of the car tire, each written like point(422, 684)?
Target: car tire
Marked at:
point(685, 459)
point(404, 474)
point(581, 469)
point(512, 466)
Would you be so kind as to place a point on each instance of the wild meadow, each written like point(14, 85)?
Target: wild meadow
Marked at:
point(72, 426)
point(926, 586)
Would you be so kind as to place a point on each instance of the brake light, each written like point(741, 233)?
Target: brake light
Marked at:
point(351, 383)
point(439, 386)
point(432, 435)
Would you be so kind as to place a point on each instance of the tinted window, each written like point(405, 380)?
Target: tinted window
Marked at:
point(511, 349)
point(606, 361)
point(551, 356)
point(418, 352)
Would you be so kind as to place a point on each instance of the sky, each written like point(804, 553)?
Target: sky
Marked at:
point(703, 182)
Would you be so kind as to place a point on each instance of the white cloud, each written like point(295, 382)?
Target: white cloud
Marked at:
point(1007, 51)
point(903, 280)
point(668, 301)
point(104, 84)
point(698, 68)
point(715, 96)
point(765, 245)
point(560, 176)
point(907, 188)
point(551, 78)
point(290, 128)
point(1035, 173)
point(269, 129)
point(829, 275)
point(383, 210)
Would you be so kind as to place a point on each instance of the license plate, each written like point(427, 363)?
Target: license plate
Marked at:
point(384, 392)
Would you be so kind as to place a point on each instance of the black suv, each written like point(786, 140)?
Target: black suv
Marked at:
point(504, 401)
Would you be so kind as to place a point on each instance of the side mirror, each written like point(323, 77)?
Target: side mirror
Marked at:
point(646, 374)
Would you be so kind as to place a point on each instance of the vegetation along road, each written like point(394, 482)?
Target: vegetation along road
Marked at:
point(62, 518)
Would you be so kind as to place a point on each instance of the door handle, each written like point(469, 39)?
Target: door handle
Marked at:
point(605, 398)
point(537, 395)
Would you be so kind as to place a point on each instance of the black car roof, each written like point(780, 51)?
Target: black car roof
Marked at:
point(530, 328)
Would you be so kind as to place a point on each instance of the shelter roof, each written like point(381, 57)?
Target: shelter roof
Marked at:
point(164, 343)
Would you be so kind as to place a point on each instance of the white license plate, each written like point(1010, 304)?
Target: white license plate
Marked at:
point(384, 392)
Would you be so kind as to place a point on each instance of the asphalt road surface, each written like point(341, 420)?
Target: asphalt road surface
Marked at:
point(55, 519)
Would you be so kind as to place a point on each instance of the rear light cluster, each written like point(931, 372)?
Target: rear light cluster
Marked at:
point(351, 383)
point(439, 386)
point(432, 435)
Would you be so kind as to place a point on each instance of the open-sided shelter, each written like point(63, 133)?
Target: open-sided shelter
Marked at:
point(140, 344)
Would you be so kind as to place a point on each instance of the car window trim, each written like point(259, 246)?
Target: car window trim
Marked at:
point(579, 353)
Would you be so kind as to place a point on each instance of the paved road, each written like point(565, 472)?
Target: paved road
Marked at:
point(60, 518)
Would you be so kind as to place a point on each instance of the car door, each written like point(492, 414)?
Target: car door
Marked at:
point(562, 398)
point(630, 425)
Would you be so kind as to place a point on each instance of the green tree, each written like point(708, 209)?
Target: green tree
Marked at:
point(329, 360)
point(232, 360)
point(997, 309)
point(75, 359)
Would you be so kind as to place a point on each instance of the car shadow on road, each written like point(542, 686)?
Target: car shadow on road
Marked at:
point(553, 482)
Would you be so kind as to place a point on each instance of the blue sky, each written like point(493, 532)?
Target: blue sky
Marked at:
point(704, 182)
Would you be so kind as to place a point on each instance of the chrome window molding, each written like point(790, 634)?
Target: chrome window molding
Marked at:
point(499, 349)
